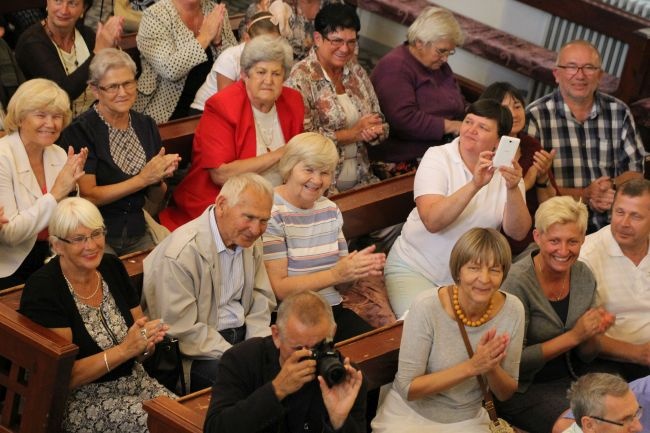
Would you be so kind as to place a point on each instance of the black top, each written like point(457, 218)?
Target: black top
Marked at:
point(89, 130)
point(193, 82)
point(38, 58)
point(243, 399)
point(47, 301)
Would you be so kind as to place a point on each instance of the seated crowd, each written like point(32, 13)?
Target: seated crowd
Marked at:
point(248, 265)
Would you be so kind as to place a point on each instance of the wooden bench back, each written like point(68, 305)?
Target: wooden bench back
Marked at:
point(35, 366)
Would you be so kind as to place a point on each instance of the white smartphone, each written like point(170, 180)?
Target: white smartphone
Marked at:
point(505, 152)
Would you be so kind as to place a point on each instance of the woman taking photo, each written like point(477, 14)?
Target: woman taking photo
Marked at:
point(304, 247)
point(436, 388)
point(178, 40)
point(456, 188)
point(562, 327)
point(59, 49)
point(126, 162)
point(243, 129)
point(340, 102)
point(417, 90)
point(35, 174)
point(86, 297)
point(535, 162)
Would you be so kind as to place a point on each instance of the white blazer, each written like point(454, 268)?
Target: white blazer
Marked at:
point(26, 207)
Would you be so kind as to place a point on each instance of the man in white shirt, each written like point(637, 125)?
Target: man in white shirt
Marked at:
point(619, 257)
point(603, 403)
point(207, 280)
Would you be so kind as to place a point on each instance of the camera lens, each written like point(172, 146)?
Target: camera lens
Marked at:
point(332, 370)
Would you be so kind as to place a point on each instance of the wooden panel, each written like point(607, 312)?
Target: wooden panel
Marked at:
point(376, 206)
point(177, 137)
point(7, 6)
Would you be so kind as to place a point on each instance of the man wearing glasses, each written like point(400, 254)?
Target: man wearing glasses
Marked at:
point(602, 403)
point(594, 134)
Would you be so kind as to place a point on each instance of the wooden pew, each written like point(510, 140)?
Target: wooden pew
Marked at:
point(36, 367)
point(177, 137)
point(375, 353)
point(7, 6)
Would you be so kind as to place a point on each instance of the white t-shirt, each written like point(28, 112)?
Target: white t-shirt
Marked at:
point(227, 64)
point(621, 287)
point(442, 171)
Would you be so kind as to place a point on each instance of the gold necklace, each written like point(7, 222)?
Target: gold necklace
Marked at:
point(60, 49)
point(84, 298)
point(463, 318)
point(266, 134)
point(563, 291)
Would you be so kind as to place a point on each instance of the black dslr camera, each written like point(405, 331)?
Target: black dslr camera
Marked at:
point(329, 362)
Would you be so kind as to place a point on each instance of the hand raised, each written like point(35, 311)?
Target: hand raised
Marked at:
point(359, 264)
point(594, 321)
point(210, 31)
point(483, 170)
point(159, 167)
point(489, 352)
point(512, 175)
point(296, 371)
point(340, 398)
point(69, 174)
point(542, 161)
point(109, 34)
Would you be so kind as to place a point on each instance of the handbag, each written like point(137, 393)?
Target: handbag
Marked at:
point(497, 425)
point(166, 365)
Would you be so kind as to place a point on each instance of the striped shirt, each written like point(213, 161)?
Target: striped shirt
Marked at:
point(310, 239)
point(231, 282)
point(606, 144)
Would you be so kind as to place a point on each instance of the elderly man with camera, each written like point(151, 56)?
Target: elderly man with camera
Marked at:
point(292, 381)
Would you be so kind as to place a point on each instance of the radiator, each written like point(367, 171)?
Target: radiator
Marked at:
point(612, 51)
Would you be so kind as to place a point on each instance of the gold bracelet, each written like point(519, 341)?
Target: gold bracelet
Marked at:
point(108, 368)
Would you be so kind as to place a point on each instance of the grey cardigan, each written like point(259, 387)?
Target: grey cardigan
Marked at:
point(542, 322)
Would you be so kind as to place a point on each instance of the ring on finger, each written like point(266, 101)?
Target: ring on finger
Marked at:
point(143, 332)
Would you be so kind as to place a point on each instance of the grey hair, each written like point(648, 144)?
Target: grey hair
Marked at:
point(587, 394)
point(561, 210)
point(234, 187)
point(72, 213)
point(434, 24)
point(106, 59)
point(308, 307)
point(267, 48)
point(580, 42)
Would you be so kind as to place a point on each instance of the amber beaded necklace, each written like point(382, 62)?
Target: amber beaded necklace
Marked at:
point(461, 314)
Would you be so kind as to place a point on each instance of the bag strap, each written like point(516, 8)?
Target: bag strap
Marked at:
point(487, 394)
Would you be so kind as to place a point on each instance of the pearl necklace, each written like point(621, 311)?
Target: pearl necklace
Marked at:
point(85, 298)
point(463, 318)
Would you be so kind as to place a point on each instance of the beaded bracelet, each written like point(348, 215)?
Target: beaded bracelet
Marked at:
point(108, 368)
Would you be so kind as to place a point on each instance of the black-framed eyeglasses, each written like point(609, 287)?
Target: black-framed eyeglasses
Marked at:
point(338, 42)
point(625, 421)
point(79, 240)
point(112, 89)
point(588, 70)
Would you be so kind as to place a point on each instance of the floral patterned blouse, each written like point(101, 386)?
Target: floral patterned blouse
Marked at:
point(324, 113)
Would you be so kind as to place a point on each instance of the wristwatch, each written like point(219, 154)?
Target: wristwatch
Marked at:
point(542, 184)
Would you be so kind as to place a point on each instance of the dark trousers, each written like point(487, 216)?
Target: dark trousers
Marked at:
point(204, 371)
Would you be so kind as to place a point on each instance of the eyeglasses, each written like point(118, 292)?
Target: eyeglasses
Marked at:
point(625, 421)
point(572, 70)
point(444, 53)
point(95, 235)
point(112, 89)
point(70, 3)
point(338, 42)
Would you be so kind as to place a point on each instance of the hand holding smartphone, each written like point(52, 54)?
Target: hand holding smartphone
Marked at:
point(506, 152)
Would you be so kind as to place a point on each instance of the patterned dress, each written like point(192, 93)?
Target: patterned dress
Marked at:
point(113, 406)
point(325, 114)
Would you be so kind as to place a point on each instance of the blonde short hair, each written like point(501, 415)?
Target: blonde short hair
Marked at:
point(434, 24)
point(311, 148)
point(33, 95)
point(480, 245)
point(561, 210)
point(72, 213)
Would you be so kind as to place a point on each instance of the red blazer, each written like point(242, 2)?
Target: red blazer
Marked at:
point(226, 133)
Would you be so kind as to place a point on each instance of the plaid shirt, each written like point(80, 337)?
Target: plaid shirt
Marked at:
point(606, 144)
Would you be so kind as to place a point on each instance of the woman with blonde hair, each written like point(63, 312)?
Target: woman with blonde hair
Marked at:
point(86, 297)
point(304, 247)
point(35, 175)
point(563, 327)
